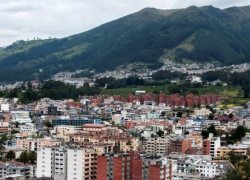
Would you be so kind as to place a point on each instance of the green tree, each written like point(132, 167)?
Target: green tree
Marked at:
point(160, 133)
point(231, 115)
point(211, 116)
point(23, 157)
point(235, 175)
point(179, 114)
point(11, 155)
point(13, 131)
point(32, 157)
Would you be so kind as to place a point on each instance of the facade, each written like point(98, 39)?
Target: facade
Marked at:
point(4, 127)
point(120, 144)
point(63, 163)
point(20, 116)
point(71, 122)
point(133, 166)
point(60, 132)
point(8, 170)
point(202, 112)
point(239, 149)
point(210, 145)
point(179, 145)
point(159, 146)
point(129, 124)
point(28, 128)
point(36, 144)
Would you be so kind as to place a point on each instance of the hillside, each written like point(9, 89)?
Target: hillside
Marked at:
point(204, 34)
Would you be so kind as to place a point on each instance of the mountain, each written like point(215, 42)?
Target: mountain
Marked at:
point(202, 34)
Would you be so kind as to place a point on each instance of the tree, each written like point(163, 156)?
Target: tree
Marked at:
point(13, 131)
point(11, 155)
point(179, 114)
point(160, 133)
point(24, 157)
point(152, 135)
point(32, 157)
point(246, 168)
point(142, 138)
point(235, 175)
point(163, 113)
point(211, 116)
point(231, 115)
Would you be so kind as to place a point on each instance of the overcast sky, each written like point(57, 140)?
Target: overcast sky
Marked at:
point(23, 19)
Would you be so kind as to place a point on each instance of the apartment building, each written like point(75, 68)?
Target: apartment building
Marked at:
point(133, 166)
point(120, 144)
point(20, 116)
point(4, 127)
point(159, 146)
point(129, 124)
point(28, 128)
point(8, 169)
point(238, 149)
point(64, 163)
point(36, 144)
point(61, 131)
point(210, 145)
point(179, 144)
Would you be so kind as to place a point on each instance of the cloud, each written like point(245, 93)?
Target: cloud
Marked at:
point(22, 19)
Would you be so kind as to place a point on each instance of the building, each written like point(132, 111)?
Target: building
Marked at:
point(4, 127)
point(179, 144)
point(120, 144)
point(28, 128)
point(20, 116)
point(61, 131)
point(133, 166)
point(64, 163)
point(239, 149)
point(7, 170)
point(36, 144)
point(129, 124)
point(159, 146)
point(210, 145)
point(202, 112)
point(71, 122)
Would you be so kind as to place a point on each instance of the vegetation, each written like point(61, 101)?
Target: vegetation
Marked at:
point(205, 34)
point(211, 129)
point(112, 83)
point(28, 157)
point(51, 89)
point(11, 155)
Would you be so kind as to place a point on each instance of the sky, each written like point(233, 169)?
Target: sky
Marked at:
point(29, 19)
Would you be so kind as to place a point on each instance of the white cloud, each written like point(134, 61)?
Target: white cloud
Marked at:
point(22, 19)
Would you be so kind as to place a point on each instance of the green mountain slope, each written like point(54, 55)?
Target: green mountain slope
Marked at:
point(204, 34)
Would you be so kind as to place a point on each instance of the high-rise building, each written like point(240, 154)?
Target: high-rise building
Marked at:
point(62, 163)
point(159, 145)
point(133, 166)
point(210, 145)
point(179, 144)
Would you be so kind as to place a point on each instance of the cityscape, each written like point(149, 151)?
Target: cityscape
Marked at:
point(124, 90)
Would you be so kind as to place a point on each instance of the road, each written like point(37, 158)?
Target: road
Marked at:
point(40, 127)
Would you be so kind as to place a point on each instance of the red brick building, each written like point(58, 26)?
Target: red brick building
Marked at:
point(205, 147)
point(132, 166)
point(180, 145)
point(129, 124)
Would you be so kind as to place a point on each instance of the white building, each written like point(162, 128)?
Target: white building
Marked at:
point(20, 116)
point(214, 144)
point(63, 163)
point(202, 112)
point(5, 107)
point(52, 162)
point(28, 128)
